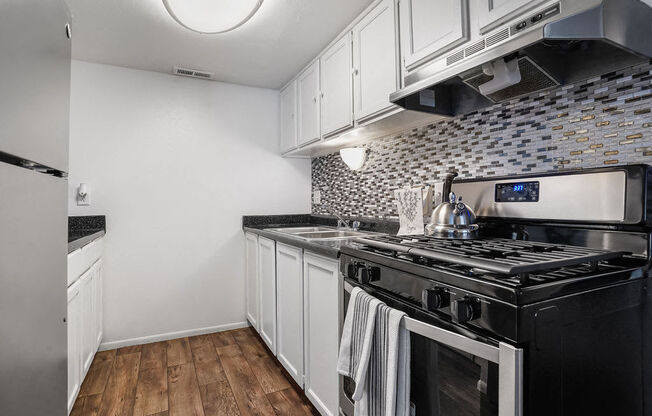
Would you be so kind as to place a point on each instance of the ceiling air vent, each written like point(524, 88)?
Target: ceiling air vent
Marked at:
point(497, 37)
point(475, 48)
point(193, 73)
point(457, 56)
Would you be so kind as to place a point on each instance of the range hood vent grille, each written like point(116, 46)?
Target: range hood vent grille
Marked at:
point(497, 37)
point(533, 79)
point(193, 73)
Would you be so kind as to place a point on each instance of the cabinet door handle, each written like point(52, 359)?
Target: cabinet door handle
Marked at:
point(321, 94)
point(314, 99)
point(355, 71)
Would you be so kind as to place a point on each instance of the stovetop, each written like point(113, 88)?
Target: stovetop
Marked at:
point(512, 271)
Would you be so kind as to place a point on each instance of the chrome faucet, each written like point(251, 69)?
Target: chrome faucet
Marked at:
point(341, 222)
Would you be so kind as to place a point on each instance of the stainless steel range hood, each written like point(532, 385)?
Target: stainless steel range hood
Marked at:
point(561, 43)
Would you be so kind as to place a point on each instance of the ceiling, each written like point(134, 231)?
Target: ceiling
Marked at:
point(281, 38)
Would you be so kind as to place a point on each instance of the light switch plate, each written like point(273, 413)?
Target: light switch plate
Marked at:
point(316, 197)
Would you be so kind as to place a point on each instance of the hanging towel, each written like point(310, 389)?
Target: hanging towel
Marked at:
point(357, 333)
point(387, 385)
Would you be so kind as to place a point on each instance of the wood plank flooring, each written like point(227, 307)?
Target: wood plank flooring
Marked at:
point(228, 373)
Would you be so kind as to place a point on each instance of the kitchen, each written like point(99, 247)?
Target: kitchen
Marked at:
point(234, 177)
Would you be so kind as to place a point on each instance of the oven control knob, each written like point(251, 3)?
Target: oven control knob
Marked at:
point(374, 273)
point(351, 270)
point(465, 309)
point(363, 275)
point(435, 298)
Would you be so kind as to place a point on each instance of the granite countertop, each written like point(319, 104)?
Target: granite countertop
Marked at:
point(85, 229)
point(329, 248)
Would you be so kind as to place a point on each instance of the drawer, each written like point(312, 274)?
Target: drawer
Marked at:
point(82, 259)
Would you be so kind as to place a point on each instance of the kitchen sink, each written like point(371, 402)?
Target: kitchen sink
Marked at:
point(301, 230)
point(323, 235)
point(320, 233)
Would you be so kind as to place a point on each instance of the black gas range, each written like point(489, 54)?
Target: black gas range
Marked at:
point(547, 310)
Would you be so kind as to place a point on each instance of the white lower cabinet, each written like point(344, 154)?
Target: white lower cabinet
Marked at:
point(321, 332)
point(299, 315)
point(74, 324)
point(251, 278)
point(289, 309)
point(84, 315)
point(267, 285)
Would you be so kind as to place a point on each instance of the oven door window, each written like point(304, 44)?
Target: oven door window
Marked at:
point(447, 382)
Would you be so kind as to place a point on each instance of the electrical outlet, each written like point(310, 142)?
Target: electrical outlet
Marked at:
point(316, 197)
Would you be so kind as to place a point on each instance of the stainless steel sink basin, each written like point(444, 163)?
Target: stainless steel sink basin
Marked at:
point(320, 233)
point(301, 230)
point(327, 235)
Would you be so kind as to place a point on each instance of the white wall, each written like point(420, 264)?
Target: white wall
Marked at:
point(174, 163)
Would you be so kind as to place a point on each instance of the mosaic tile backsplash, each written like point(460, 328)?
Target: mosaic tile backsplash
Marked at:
point(603, 121)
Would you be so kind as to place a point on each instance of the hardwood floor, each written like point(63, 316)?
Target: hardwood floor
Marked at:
point(223, 374)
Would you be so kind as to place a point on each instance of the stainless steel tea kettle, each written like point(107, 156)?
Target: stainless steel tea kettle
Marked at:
point(452, 218)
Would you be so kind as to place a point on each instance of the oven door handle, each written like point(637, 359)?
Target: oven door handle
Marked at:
point(508, 358)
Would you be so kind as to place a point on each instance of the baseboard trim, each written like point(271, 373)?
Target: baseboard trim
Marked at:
point(170, 335)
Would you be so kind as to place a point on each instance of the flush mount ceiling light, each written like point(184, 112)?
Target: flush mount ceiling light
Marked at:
point(212, 16)
point(354, 157)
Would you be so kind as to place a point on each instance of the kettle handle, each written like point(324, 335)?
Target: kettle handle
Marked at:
point(448, 182)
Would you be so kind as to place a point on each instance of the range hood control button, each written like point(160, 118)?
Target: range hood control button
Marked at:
point(536, 18)
point(521, 25)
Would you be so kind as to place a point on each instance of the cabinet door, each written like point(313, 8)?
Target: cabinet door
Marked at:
point(431, 27)
point(251, 279)
point(267, 277)
point(308, 98)
point(375, 63)
point(99, 303)
point(289, 309)
point(74, 343)
point(493, 13)
point(87, 318)
point(288, 117)
point(336, 87)
point(321, 288)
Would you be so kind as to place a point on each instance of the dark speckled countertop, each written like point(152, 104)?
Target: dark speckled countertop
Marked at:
point(331, 248)
point(84, 229)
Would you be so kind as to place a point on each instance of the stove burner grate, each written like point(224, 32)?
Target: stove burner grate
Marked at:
point(513, 259)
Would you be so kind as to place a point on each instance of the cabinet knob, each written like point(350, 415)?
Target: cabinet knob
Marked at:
point(355, 71)
point(314, 99)
point(321, 94)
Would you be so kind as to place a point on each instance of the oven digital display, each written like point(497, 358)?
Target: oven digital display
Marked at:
point(517, 192)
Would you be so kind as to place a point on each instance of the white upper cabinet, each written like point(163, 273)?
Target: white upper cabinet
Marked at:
point(492, 13)
point(289, 117)
point(430, 28)
point(375, 61)
point(336, 87)
point(308, 99)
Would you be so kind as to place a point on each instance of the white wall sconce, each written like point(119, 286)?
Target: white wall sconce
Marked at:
point(83, 195)
point(212, 16)
point(354, 157)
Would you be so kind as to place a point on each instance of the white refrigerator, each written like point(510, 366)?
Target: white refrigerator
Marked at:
point(34, 113)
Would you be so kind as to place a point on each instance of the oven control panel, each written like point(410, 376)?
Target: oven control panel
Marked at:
point(517, 192)
point(447, 301)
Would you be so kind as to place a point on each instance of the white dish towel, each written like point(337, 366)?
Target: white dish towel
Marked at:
point(387, 385)
point(375, 353)
point(357, 334)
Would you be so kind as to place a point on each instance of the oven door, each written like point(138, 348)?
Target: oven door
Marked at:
point(451, 373)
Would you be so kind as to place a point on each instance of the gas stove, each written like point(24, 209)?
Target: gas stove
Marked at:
point(558, 277)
